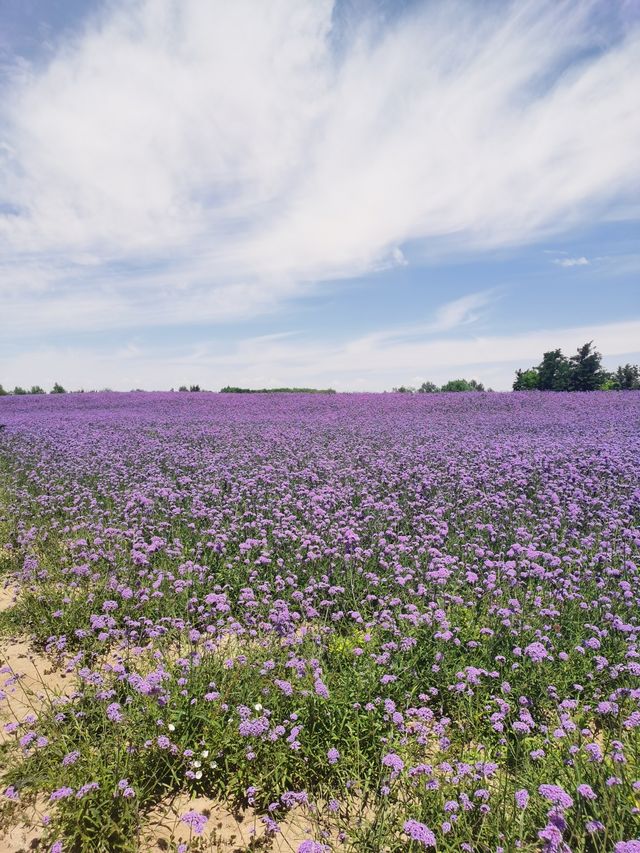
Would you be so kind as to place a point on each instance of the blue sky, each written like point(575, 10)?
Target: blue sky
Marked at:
point(356, 194)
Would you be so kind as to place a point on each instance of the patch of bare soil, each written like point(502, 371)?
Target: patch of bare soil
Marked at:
point(24, 830)
point(8, 596)
point(224, 832)
point(28, 683)
point(28, 680)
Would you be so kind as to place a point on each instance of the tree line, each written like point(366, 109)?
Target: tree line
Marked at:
point(233, 389)
point(35, 389)
point(451, 385)
point(581, 372)
point(228, 389)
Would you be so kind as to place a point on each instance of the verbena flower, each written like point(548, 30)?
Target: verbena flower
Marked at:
point(61, 793)
point(420, 832)
point(587, 792)
point(393, 761)
point(114, 712)
point(536, 652)
point(312, 847)
point(195, 821)
point(557, 795)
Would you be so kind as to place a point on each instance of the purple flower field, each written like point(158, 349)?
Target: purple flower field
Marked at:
point(417, 618)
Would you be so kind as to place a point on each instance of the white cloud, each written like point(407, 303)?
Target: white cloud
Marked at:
point(208, 160)
point(572, 262)
point(396, 356)
point(452, 315)
point(398, 256)
point(461, 312)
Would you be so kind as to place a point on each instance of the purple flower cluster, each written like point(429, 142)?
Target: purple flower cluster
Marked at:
point(556, 795)
point(420, 832)
point(195, 821)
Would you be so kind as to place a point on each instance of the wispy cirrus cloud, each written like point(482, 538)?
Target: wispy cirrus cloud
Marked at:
point(456, 315)
point(572, 262)
point(462, 312)
point(178, 163)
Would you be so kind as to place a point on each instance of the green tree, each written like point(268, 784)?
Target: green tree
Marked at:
point(582, 372)
point(626, 378)
point(183, 388)
point(404, 389)
point(428, 388)
point(3, 393)
point(36, 389)
point(586, 369)
point(554, 371)
point(58, 389)
point(194, 388)
point(609, 382)
point(462, 385)
point(19, 390)
point(526, 380)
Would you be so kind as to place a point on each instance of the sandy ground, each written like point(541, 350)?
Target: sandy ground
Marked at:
point(224, 832)
point(27, 681)
point(8, 595)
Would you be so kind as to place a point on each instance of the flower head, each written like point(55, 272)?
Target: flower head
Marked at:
point(556, 795)
point(419, 832)
point(393, 761)
point(536, 652)
point(587, 792)
point(195, 821)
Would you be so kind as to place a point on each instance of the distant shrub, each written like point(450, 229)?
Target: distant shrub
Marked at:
point(462, 385)
point(234, 389)
point(428, 388)
point(526, 380)
point(626, 378)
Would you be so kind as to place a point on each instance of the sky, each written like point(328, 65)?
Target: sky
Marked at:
point(356, 194)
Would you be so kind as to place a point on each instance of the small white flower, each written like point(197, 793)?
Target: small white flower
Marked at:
point(257, 707)
point(171, 727)
point(198, 774)
point(205, 753)
point(197, 764)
